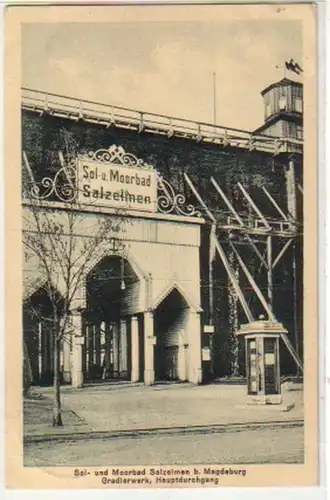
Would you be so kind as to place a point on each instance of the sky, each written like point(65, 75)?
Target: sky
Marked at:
point(163, 67)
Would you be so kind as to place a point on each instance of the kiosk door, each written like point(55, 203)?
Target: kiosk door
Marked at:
point(252, 367)
point(270, 360)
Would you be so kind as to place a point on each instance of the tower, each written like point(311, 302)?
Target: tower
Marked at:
point(283, 112)
point(283, 104)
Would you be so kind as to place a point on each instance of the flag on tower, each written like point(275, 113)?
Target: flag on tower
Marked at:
point(293, 66)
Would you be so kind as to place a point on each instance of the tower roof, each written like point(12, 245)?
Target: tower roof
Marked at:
point(284, 81)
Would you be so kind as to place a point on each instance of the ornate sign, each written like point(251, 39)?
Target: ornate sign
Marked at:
point(117, 179)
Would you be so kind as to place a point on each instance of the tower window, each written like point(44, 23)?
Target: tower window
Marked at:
point(282, 91)
point(299, 132)
point(297, 92)
point(268, 110)
point(298, 105)
point(282, 103)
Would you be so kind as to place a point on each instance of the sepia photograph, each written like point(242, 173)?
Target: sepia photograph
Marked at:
point(161, 233)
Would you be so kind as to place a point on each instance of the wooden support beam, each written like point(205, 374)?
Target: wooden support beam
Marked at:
point(65, 168)
point(270, 271)
point(199, 198)
point(141, 124)
point(281, 253)
point(211, 273)
point(271, 199)
point(234, 281)
point(46, 107)
point(300, 189)
point(227, 202)
point(81, 110)
point(28, 168)
point(290, 180)
point(295, 301)
point(256, 232)
point(239, 220)
point(292, 351)
point(225, 140)
point(254, 285)
point(253, 205)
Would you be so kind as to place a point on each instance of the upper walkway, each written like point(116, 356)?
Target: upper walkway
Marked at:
point(140, 121)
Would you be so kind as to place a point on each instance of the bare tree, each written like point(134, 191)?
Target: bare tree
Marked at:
point(59, 242)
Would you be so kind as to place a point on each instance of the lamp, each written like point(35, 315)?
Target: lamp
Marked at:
point(122, 281)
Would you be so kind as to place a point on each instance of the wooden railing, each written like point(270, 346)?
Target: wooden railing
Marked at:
point(108, 115)
point(257, 226)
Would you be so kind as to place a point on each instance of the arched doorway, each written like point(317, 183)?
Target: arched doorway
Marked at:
point(38, 327)
point(171, 321)
point(112, 293)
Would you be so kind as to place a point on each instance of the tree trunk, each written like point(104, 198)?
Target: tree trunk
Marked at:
point(57, 412)
point(27, 372)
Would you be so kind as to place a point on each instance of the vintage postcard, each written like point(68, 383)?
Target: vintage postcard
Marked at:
point(161, 246)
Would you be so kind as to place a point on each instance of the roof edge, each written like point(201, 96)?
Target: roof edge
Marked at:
point(279, 83)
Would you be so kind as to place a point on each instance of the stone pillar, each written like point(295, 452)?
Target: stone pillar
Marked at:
point(77, 376)
point(97, 343)
point(182, 354)
point(102, 347)
point(123, 347)
point(115, 344)
point(194, 350)
point(67, 359)
point(135, 373)
point(107, 348)
point(149, 343)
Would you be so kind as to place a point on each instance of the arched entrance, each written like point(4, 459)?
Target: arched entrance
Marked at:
point(112, 293)
point(38, 326)
point(171, 352)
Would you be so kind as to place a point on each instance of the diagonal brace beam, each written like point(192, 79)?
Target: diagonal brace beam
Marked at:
point(274, 203)
point(28, 168)
point(239, 220)
point(281, 253)
point(253, 205)
point(198, 196)
point(292, 351)
point(233, 280)
point(254, 285)
point(227, 202)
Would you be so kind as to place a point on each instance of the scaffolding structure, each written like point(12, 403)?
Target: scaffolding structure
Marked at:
point(238, 231)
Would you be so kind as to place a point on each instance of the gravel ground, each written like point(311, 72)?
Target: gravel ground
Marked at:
point(114, 408)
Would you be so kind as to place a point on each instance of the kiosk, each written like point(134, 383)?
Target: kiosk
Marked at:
point(263, 361)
